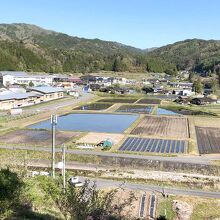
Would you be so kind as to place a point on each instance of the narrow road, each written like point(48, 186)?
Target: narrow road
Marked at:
point(103, 183)
point(203, 160)
point(61, 104)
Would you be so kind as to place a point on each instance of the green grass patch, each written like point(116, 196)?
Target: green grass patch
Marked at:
point(209, 209)
point(165, 208)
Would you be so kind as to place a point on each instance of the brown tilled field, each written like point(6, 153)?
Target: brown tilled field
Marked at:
point(162, 127)
point(208, 140)
point(35, 137)
point(95, 138)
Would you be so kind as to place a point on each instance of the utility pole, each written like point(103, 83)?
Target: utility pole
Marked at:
point(53, 124)
point(64, 167)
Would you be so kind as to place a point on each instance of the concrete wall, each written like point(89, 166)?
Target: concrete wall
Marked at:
point(159, 165)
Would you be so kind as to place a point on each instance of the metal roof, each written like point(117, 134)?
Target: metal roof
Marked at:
point(18, 96)
point(13, 73)
point(24, 74)
point(46, 89)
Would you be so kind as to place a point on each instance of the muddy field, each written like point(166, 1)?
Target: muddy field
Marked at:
point(149, 101)
point(208, 140)
point(118, 100)
point(174, 127)
point(94, 106)
point(36, 137)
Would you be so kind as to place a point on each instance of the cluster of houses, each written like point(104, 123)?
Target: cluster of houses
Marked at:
point(20, 89)
point(117, 85)
point(123, 85)
point(164, 86)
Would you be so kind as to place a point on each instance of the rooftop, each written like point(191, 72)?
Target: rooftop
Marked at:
point(17, 96)
point(46, 89)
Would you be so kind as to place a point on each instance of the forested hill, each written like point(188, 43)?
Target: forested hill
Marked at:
point(195, 54)
point(31, 48)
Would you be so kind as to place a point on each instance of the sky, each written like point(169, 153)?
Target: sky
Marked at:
point(139, 23)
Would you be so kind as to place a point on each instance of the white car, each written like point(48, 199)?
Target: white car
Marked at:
point(74, 181)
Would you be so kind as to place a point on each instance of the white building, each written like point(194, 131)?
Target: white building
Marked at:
point(14, 77)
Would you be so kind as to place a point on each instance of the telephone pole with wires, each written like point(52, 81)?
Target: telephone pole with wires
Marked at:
point(53, 124)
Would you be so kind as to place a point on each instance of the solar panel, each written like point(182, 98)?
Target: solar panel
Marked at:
point(173, 146)
point(145, 145)
point(129, 146)
point(128, 143)
point(124, 145)
point(136, 143)
point(142, 145)
point(163, 145)
point(159, 146)
point(153, 145)
point(182, 148)
point(149, 146)
point(167, 149)
point(178, 146)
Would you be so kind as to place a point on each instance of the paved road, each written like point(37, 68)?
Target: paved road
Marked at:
point(56, 105)
point(102, 183)
point(204, 160)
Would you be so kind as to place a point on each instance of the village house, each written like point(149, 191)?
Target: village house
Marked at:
point(203, 101)
point(183, 85)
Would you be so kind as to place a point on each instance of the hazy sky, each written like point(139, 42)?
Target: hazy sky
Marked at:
point(140, 23)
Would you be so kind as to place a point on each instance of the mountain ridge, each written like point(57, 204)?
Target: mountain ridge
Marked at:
point(32, 48)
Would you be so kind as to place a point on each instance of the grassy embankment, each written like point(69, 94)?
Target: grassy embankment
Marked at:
point(202, 208)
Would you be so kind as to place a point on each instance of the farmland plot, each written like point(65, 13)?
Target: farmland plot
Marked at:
point(162, 127)
point(36, 137)
point(149, 101)
point(118, 100)
point(135, 109)
point(208, 140)
point(154, 145)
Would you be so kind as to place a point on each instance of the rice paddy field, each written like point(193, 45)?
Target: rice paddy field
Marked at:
point(134, 123)
point(94, 106)
point(149, 101)
point(118, 100)
point(143, 109)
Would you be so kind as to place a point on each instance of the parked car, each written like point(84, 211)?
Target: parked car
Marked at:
point(74, 181)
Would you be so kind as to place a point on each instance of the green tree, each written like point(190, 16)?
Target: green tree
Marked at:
point(31, 84)
point(214, 85)
point(198, 86)
point(10, 189)
point(88, 202)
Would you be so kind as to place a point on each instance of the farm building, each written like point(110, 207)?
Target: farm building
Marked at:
point(34, 95)
point(48, 92)
point(15, 100)
point(203, 101)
